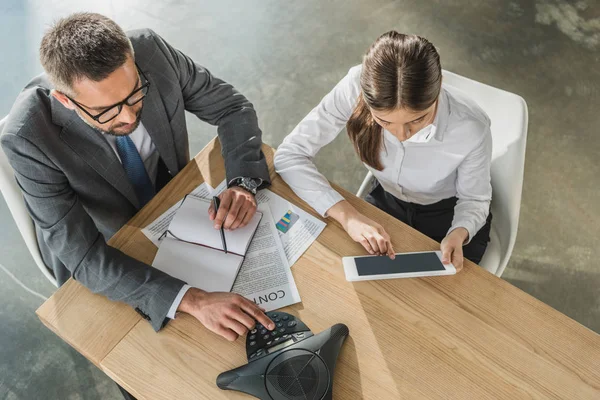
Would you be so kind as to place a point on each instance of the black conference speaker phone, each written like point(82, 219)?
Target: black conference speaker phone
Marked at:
point(288, 362)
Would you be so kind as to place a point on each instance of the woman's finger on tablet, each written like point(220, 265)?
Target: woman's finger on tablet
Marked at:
point(389, 250)
point(391, 253)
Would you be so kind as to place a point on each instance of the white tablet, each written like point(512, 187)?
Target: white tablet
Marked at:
point(405, 265)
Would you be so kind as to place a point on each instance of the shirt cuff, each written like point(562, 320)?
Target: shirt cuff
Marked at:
point(326, 201)
point(177, 301)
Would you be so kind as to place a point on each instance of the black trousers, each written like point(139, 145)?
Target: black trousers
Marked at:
point(432, 220)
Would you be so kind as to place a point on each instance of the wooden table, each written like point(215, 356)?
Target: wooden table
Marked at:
point(469, 336)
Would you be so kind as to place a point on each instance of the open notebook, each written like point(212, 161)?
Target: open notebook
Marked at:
point(192, 251)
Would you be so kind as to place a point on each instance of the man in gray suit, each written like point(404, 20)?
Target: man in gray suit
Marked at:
point(93, 139)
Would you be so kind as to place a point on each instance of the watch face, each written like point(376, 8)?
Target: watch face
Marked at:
point(250, 183)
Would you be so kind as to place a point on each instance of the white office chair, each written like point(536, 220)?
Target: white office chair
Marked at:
point(14, 199)
point(508, 113)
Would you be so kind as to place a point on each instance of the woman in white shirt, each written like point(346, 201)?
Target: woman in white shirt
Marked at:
point(428, 145)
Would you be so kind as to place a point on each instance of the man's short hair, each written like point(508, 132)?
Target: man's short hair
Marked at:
point(83, 45)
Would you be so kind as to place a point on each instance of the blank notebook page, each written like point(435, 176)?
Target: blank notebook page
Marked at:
point(208, 269)
point(192, 224)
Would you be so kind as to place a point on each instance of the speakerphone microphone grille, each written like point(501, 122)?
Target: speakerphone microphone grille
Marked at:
point(299, 377)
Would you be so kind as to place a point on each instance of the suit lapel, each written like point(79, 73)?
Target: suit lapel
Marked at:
point(93, 149)
point(154, 118)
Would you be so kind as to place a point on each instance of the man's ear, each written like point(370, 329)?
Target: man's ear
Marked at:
point(64, 100)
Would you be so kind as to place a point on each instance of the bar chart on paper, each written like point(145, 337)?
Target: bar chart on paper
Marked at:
point(287, 221)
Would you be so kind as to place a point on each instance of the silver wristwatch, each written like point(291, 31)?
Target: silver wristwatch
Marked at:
point(249, 184)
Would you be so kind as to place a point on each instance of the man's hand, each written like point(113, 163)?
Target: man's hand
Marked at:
point(227, 314)
point(236, 209)
point(452, 247)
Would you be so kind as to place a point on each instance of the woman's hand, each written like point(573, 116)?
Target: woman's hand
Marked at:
point(452, 247)
point(362, 229)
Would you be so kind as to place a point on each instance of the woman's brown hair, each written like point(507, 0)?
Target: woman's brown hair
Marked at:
point(398, 71)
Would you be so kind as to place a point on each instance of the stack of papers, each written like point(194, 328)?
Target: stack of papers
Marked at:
point(192, 250)
point(264, 250)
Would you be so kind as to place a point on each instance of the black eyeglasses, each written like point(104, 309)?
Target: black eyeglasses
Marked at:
point(111, 112)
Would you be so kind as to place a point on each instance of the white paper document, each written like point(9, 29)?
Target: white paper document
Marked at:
point(297, 229)
point(219, 189)
point(265, 276)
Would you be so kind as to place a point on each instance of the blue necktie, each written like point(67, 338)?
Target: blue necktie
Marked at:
point(135, 169)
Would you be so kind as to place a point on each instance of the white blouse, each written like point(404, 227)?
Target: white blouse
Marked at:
point(452, 158)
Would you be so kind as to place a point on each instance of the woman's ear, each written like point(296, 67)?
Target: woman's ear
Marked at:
point(64, 100)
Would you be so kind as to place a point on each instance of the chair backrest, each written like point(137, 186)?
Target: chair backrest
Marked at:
point(14, 199)
point(508, 113)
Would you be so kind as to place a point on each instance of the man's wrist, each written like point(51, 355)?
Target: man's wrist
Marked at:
point(192, 298)
point(251, 185)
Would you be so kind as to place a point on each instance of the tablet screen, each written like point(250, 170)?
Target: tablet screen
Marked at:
point(404, 263)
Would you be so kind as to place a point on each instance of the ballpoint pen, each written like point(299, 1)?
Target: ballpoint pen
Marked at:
point(216, 203)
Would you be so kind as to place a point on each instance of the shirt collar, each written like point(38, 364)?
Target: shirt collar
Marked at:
point(441, 118)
